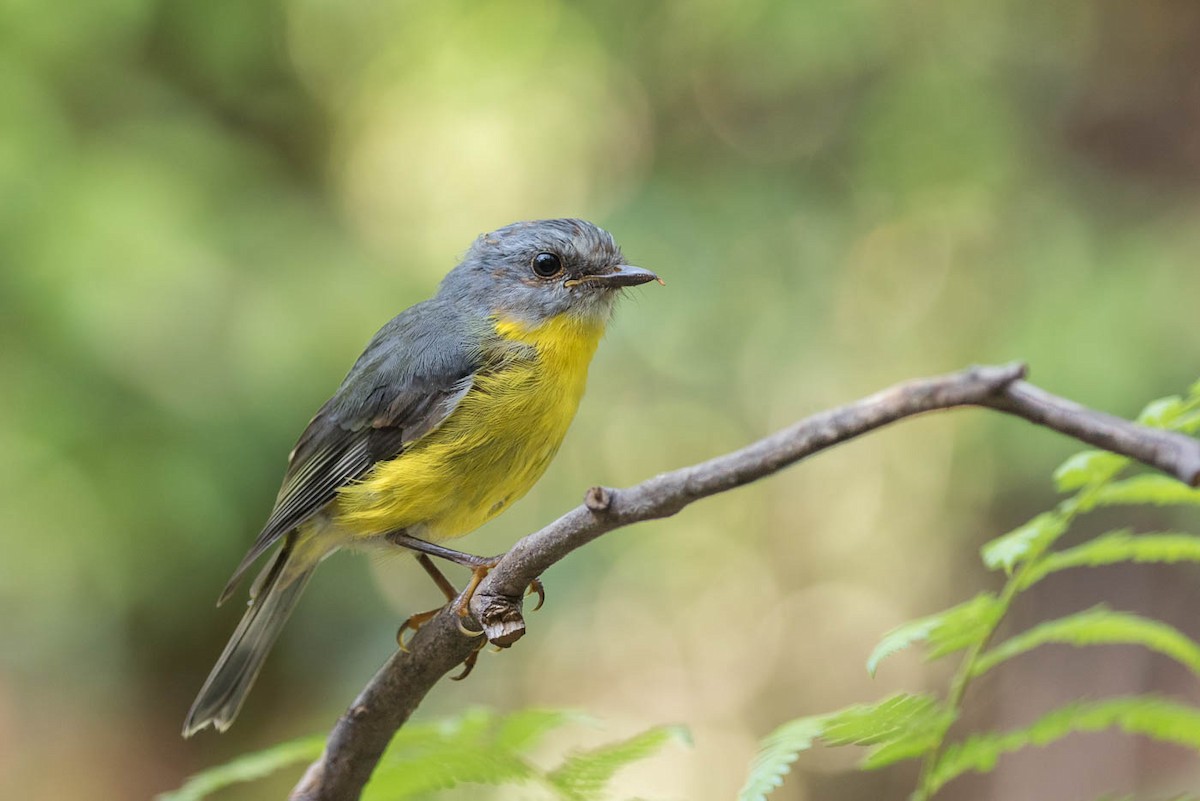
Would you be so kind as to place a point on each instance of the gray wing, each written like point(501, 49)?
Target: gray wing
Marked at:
point(409, 380)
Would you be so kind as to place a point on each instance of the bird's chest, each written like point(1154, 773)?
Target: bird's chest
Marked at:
point(521, 417)
point(518, 416)
point(491, 449)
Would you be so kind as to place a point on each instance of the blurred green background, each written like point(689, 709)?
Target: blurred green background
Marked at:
point(207, 208)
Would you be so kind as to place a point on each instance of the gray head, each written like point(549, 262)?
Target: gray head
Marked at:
point(533, 271)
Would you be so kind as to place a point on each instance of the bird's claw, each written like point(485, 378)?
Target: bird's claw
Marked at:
point(469, 663)
point(466, 631)
point(413, 623)
point(536, 587)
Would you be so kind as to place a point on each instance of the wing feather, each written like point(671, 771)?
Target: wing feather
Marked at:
point(338, 448)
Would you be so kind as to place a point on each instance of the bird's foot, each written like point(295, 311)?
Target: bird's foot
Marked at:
point(479, 566)
point(414, 623)
point(502, 619)
point(462, 604)
point(469, 663)
point(536, 587)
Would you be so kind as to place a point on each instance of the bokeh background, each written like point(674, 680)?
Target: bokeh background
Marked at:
point(207, 208)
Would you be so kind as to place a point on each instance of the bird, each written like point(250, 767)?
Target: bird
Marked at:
point(453, 411)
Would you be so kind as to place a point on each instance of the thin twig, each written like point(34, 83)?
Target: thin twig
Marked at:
point(363, 732)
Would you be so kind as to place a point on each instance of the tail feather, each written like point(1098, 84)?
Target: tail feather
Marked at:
point(274, 597)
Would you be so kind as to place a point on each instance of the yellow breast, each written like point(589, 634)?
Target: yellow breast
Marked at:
point(490, 450)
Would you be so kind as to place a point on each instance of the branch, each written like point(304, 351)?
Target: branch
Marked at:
point(360, 736)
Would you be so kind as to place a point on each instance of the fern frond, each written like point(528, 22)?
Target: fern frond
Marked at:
point(1026, 542)
point(776, 753)
point(903, 726)
point(1188, 423)
point(583, 776)
point(1176, 413)
point(1150, 716)
point(1146, 489)
point(1116, 547)
point(1097, 626)
point(910, 736)
point(523, 730)
point(442, 767)
point(475, 747)
point(1164, 412)
point(872, 724)
point(956, 628)
point(465, 749)
point(1088, 467)
point(247, 768)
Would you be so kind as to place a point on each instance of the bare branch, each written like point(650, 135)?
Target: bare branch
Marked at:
point(363, 732)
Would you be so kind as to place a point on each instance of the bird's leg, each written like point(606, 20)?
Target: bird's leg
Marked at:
point(438, 577)
point(479, 566)
point(414, 622)
point(469, 560)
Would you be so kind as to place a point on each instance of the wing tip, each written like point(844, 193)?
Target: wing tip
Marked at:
point(238, 573)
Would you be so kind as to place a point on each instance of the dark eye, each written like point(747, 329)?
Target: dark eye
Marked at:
point(547, 264)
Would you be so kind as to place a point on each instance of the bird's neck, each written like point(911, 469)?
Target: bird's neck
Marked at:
point(567, 340)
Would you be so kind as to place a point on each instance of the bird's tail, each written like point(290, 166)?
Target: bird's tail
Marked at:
point(273, 598)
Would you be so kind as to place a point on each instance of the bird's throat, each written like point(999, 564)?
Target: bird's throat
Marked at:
point(565, 342)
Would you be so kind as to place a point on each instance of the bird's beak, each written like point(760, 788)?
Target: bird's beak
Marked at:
point(619, 276)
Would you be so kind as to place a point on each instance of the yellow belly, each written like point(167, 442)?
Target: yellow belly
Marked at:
point(489, 452)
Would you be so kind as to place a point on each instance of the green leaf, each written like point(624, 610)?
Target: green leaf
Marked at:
point(247, 768)
point(872, 724)
point(920, 726)
point(1163, 412)
point(1088, 467)
point(523, 730)
point(1146, 489)
point(1098, 626)
point(584, 776)
point(776, 753)
point(1188, 423)
point(904, 726)
point(1115, 547)
point(480, 747)
point(1026, 542)
point(1175, 413)
point(475, 747)
point(1146, 715)
point(427, 757)
point(946, 632)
